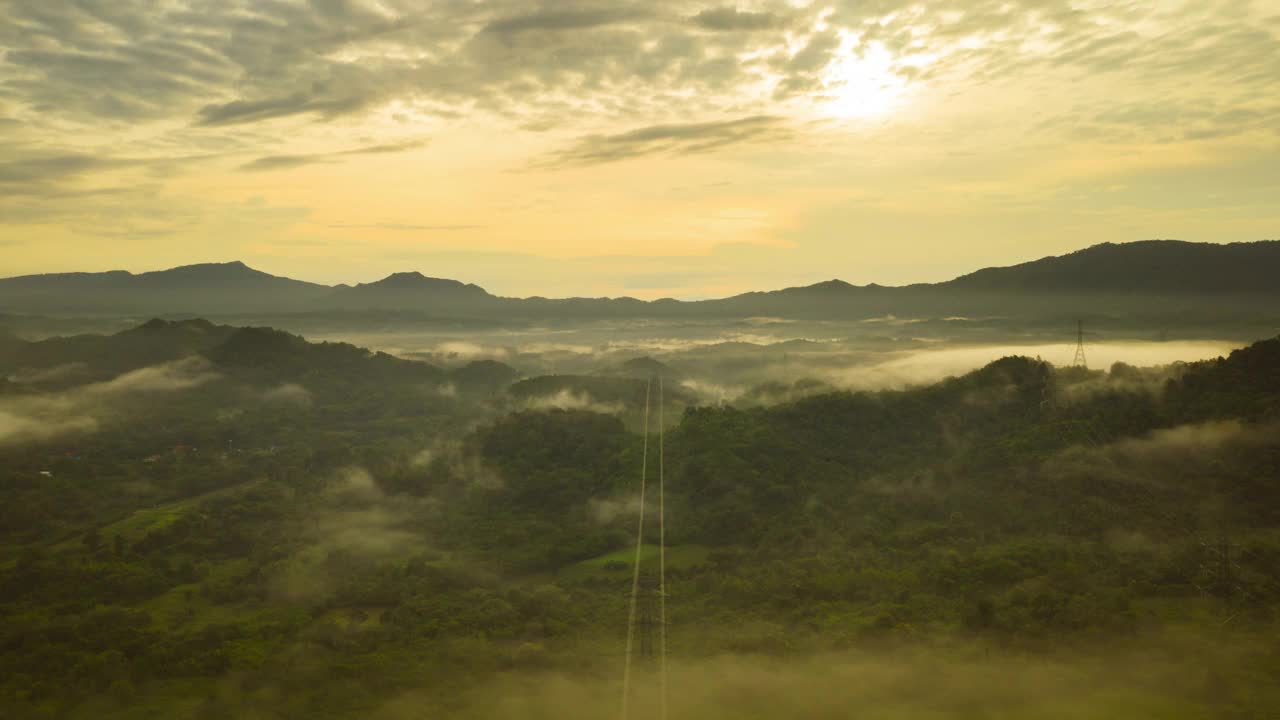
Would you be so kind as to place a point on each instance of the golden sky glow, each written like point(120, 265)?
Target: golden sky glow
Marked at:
point(676, 148)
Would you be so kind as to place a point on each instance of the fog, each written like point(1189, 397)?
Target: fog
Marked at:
point(1163, 677)
point(743, 365)
point(352, 522)
point(42, 416)
point(927, 366)
point(288, 394)
point(569, 400)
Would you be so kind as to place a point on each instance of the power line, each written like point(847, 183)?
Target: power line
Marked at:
point(644, 589)
point(662, 560)
point(635, 574)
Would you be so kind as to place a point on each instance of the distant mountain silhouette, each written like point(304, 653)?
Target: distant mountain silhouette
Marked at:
point(1138, 267)
point(826, 288)
point(224, 287)
point(1234, 273)
point(219, 275)
point(406, 290)
point(418, 282)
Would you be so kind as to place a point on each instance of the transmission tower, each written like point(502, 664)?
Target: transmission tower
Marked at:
point(1220, 575)
point(1219, 569)
point(1048, 387)
point(647, 621)
point(1079, 360)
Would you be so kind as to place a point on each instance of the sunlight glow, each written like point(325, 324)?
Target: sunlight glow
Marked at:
point(862, 86)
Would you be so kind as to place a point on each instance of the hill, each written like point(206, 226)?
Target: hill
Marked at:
point(261, 530)
point(641, 368)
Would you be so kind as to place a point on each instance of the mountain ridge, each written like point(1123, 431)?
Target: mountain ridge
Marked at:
point(1141, 265)
point(1140, 268)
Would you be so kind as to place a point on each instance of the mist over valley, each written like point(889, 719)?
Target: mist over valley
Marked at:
point(409, 519)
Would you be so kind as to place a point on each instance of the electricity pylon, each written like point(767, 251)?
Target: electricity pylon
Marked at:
point(1079, 360)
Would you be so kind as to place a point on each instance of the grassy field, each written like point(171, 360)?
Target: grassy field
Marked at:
point(143, 521)
point(619, 564)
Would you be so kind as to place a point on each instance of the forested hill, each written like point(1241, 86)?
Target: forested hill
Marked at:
point(270, 528)
point(987, 444)
point(256, 354)
point(1121, 277)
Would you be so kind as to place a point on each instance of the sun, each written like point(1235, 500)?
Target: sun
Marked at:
point(861, 86)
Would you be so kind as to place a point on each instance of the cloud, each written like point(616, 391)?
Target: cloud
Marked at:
point(712, 392)
point(563, 20)
point(37, 376)
point(682, 139)
point(385, 148)
point(224, 65)
point(288, 394)
point(41, 169)
point(168, 377)
point(403, 226)
point(423, 458)
point(244, 111)
point(569, 400)
point(93, 79)
point(1193, 453)
point(232, 64)
point(28, 418)
point(282, 162)
point(605, 512)
point(465, 350)
point(928, 366)
point(353, 485)
point(34, 174)
point(18, 427)
point(733, 19)
point(354, 518)
point(1187, 445)
point(285, 162)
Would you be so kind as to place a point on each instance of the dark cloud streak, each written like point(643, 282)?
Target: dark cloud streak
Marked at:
point(563, 20)
point(41, 169)
point(733, 19)
point(286, 162)
point(282, 162)
point(683, 139)
point(402, 226)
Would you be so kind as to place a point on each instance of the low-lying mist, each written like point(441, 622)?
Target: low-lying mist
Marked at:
point(1165, 678)
point(759, 364)
point(927, 366)
point(35, 416)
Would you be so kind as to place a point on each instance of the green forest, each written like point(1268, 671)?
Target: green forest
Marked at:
point(205, 521)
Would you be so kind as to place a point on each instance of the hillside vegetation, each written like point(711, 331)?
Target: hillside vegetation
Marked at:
point(202, 521)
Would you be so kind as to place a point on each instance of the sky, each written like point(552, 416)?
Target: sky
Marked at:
point(661, 148)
